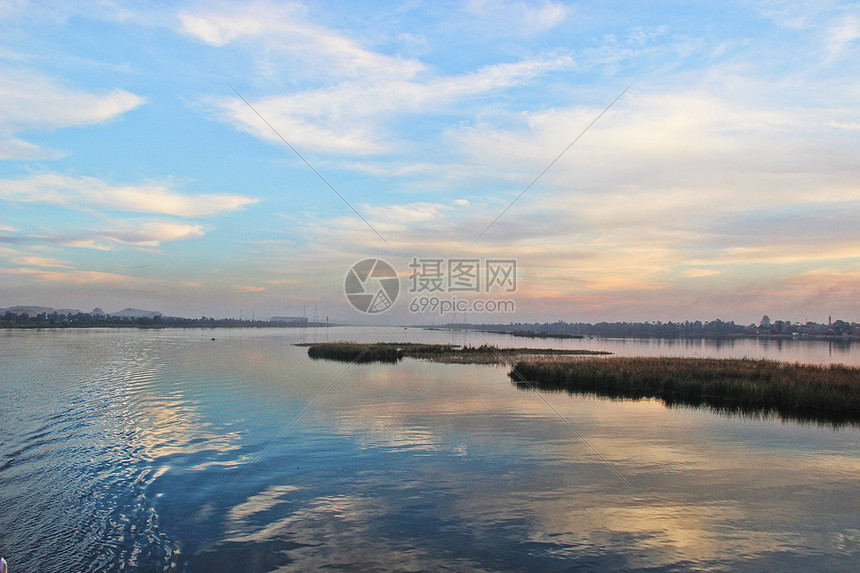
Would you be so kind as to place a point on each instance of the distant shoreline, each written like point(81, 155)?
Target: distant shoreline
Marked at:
point(237, 324)
point(817, 337)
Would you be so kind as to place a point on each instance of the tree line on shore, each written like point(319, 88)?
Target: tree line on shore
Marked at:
point(691, 329)
point(85, 319)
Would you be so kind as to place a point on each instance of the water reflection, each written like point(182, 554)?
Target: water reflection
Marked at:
point(786, 350)
point(784, 413)
point(119, 449)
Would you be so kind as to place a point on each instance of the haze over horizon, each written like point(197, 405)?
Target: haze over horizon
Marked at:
point(722, 184)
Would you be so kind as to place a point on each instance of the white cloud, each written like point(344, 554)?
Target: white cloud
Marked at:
point(89, 192)
point(251, 20)
point(38, 103)
point(408, 214)
point(142, 234)
point(31, 101)
point(738, 146)
point(842, 35)
point(359, 91)
point(676, 126)
point(150, 233)
point(350, 117)
point(14, 148)
point(666, 186)
point(550, 15)
point(282, 29)
point(832, 27)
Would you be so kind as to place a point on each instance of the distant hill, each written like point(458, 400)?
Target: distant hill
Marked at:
point(35, 310)
point(135, 313)
point(124, 313)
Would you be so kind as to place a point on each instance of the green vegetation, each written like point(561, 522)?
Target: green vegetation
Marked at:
point(394, 351)
point(791, 390)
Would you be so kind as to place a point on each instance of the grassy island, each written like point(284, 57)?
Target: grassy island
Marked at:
point(448, 353)
point(536, 334)
point(794, 390)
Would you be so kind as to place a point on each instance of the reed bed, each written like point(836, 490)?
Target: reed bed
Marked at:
point(534, 334)
point(393, 351)
point(355, 352)
point(725, 384)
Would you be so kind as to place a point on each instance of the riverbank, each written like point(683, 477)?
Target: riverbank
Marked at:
point(796, 390)
point(154, 324)
point(446, 353)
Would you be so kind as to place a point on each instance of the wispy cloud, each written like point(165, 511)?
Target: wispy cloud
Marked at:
point(283, 30)
point(671, 187)
point(151, 233)
point(31, 261)
point(139, 233)
point(842, 35)
point(519, 18)
point(699, 273)
point(354, 117)
point(725, 177)
point(14, 148)
point(834, 27)
point(549, 15)
point(358, 92)
point(135, 233)
point(248, 288)
point(71, 277)
point(31, 101)
point(89, 192)
point(824, 282)
point(38, 102)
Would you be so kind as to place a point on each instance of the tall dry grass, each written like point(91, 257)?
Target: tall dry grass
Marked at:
point(720, 383)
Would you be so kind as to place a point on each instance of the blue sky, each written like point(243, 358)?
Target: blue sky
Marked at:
point(724, 183)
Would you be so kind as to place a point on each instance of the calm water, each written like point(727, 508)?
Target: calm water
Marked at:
point(125, 450)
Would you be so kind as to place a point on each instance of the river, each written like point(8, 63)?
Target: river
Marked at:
point(166, 450)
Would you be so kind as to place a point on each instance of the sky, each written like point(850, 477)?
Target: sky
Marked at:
point(218, 158)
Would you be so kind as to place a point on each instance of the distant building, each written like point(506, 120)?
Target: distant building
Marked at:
point(289, 319)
